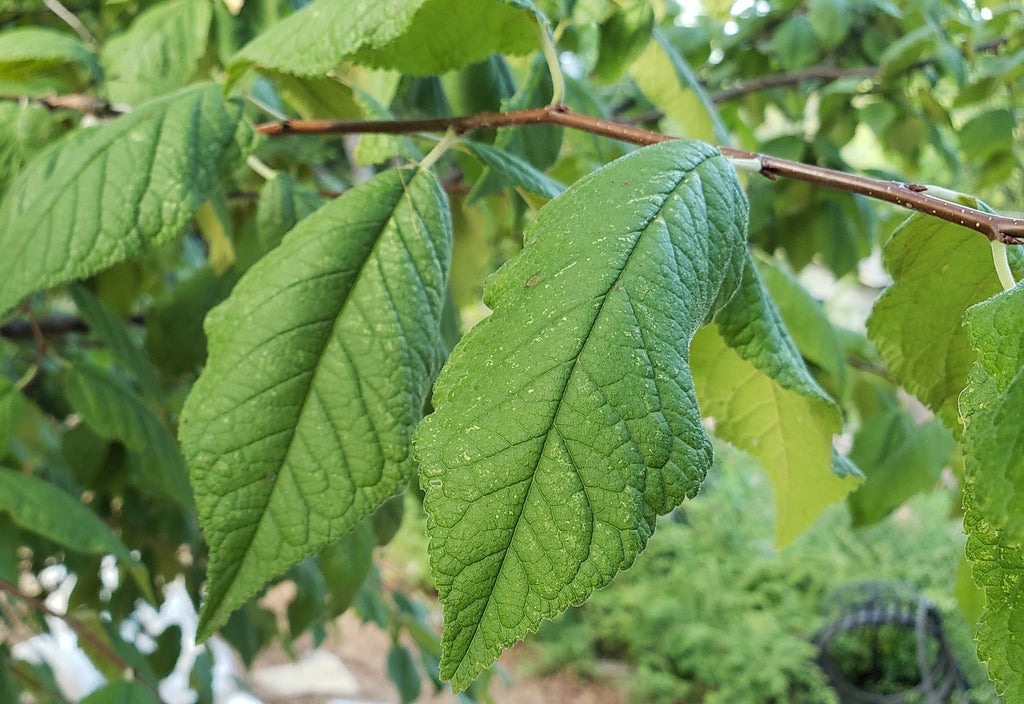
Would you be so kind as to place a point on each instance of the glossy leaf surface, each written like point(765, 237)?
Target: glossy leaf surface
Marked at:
point(566, 421)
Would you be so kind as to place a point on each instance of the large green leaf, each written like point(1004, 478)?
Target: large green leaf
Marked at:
point(566, 421)
point(997, 567)
point(993, 439)
point(939, 269)
point(418, 37)
point(116, 412)
point(319, 365)
point(108, 193)
point(159, 52)
point(41, 508)
point(751, 379)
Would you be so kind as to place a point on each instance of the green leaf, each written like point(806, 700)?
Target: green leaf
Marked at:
point(667, 80)
point(624, 34)
point(34, 54)
point(748, 361)
point(283, 203)
point(997, 566)
point(566, 421)
point(116, 412)
point(121, 692)
point(346, 563)
point(939, 269)
point(899, 459)
point(416, 37)
point(159, 52)
point(988, 134)
point(111, 330)
point(41, 508)
point(109, 193)
point(12, 405)
point(993, 441)
point(794, 43)
point(830, 20)
point(24, 130)
point(403, 673)
point(174, 326)
point(805, 320)
point(514, 171)
point(299, 426)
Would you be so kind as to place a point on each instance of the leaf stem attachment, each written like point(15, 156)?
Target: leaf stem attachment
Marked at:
point(1002, 263)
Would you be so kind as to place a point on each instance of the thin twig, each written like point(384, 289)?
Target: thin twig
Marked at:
point(995, 227)
point(86, 104)
point(81, 631)
point(69, 18)
point(831, 73)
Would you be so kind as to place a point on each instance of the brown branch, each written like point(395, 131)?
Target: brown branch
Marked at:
point(81, 631)
point(994, 227)
point(831, 73)
point(777, 80)
point(85, 104)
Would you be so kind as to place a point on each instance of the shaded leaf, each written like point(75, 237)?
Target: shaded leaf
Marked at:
point(12, 405)
point(787, 421)
point(108, 193)
point(48, 58)
point(121, 692)
point(319, 364)
point(116, 412)
point(513, 171)
point(566, 421)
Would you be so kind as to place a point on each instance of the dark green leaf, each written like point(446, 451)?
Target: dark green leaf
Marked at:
point(111, 330)
point(403, 673)
point(624, 34)
point(108, 193)
point(122, 692)
point(299, 426)
point(513, 170)
point(12, 405)
point(47, 58)
point(116, 412)
point(566, 421)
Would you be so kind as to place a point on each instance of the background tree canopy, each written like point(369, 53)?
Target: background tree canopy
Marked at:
point(276, 270)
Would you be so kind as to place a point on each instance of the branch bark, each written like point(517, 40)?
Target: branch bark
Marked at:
point(912, 196)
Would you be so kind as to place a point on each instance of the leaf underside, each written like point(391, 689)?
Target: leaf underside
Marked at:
point(566, 421)
point(320, 363)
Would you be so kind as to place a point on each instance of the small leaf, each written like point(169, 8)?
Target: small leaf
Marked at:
point(787, 421)
point(566, 421)
point(213, 221)
point(346, 564)
point(319, 365)
point(116, 412)
point(514, 171)
point(109, 193)
point(159, 52)
point(939, 269)
point(41, 508)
